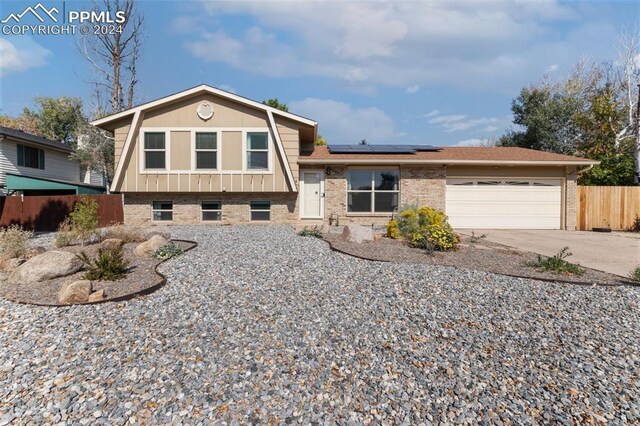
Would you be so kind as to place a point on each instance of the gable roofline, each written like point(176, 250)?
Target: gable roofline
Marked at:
point(203, 88)
point(21, 136)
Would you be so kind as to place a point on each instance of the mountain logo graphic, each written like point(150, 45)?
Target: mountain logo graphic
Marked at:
point(34, 11)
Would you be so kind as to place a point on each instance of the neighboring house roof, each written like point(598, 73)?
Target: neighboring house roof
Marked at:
point(203, 88)
point(449, 155)
point(28, 137)
point(17, 182)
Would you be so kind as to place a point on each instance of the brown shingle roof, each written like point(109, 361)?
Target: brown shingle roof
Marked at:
point(450, 155)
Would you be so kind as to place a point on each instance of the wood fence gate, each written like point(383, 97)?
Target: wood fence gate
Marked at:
point(615, 207)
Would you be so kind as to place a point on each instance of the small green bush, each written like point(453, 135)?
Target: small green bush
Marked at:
point(635, 274)
point(84, 219)
point(424, 227)
point(64, 235)
point(109, 265)
point(392, 229)
point(168, 251)
point(13, 241)
point(557, 263)
point(635, 226)
point(311, 232)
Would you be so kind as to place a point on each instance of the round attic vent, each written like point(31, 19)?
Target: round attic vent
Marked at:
point(205, 111)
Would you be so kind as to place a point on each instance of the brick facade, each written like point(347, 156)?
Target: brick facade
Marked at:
point(187, 210)
point(571, 201)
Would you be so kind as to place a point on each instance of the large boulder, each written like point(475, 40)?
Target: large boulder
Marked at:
point(75, 292)
point(10, 265)
point(109, 242)
point(51, 264)
point(150, 246)
point(357, 233)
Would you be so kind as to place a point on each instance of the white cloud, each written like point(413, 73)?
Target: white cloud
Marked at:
point(432, 113)
point(413, 88)
point(446, 120)
point(339, 122)
point(21, 54)
point(404, 44)
point(456, 122)
point(491, 128)
point(552, 68)
point(473, 142)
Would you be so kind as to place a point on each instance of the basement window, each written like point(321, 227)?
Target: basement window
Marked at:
point(162, 211)
point(260, 210)
point(211, 211)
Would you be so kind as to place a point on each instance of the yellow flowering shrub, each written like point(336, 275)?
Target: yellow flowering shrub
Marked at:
point(424, 227)
point(392, 229)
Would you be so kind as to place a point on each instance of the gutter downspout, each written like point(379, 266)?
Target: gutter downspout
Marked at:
point(579, 172)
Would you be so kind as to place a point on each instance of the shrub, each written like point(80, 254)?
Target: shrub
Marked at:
point(392, 229)
point(127, 234)
point(424, 227)
point(635, 226)
point(109, 265)
point(557, 263)
point(168, 251)
point(635, 274)
point(311, 232)
point(84, 219)
point(13, 241)
point(64, 235)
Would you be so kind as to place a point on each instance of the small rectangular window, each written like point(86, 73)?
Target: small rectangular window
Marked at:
point(257, 151)
point(162, 211)
point(206, 150)
point(260, 210)
point(30, 157)
point(211, 211)
point(154, 150)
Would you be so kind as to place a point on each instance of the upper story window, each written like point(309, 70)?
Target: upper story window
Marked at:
point(206, 150)
point(373, 191)
point(30, 157)
point(154, 150)
point(257, 151)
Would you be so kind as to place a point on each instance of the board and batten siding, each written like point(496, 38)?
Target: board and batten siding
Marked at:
point(57, 163)
point(229, 120)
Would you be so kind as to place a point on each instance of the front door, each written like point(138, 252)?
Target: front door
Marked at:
point(312, 196)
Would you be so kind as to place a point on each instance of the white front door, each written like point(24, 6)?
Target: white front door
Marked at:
point(312, 194)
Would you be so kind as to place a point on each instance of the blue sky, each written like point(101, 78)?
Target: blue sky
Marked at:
point(442, 73)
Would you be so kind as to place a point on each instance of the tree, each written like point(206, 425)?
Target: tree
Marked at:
point(95, 151)
point(25, 123)
point(274, 103)
point(114, 57)
point(320, 141)
point(55, 118)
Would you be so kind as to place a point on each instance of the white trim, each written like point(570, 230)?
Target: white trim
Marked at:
point(167, 152)
point(117, 178)
point(375, 162)
point(206, 89)
point(283, 155)
point(209, 210)
point(302, 193)
point(245, 148)
point(161, 210)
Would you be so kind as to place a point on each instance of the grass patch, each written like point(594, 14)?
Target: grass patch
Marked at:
point(13, 241)
point(635, 274)
point(557, 263)
point(311, 232)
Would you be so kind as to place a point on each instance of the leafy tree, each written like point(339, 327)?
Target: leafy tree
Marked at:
point(95, 151)
point(320, 141)
point(275, 103)
point(55, 118)
point(25, 123)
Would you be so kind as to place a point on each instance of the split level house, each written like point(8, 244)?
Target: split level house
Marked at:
point(33, 165)
point(208, 156)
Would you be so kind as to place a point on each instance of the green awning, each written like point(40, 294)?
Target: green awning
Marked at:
point(29, 183)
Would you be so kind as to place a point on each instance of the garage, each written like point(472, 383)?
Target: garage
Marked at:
point(490, 203)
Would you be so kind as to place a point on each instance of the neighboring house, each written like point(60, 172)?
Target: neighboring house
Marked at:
point(208, 156)
point(32, 165)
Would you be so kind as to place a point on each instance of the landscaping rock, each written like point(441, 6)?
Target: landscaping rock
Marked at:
point(97, 296)
point(51, 264)
point(110, 242)
point(11, 265)
point(34, 251)
point(357, 233)
point(75, 292)
point(150, 246)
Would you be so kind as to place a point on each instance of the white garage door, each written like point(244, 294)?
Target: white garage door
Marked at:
point(504, 204)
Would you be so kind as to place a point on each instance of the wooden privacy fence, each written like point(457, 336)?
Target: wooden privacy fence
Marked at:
point(614, 207)
point(45, 213)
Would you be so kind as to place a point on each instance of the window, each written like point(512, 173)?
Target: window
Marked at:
point(373, 191)
point(211, 210)
point(260, 210)
point(257, 151)
point(206, 150)
point(162, 211)
point(154, 150)
point(30, 157)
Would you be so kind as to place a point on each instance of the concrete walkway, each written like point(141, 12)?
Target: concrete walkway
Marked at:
point(616, 252)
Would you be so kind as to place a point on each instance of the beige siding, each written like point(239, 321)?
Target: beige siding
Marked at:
point(120, 136)
point(231, 150)
point(290, 136)
point(180, 150)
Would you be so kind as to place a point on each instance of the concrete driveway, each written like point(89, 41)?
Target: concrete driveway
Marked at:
point(616, 252)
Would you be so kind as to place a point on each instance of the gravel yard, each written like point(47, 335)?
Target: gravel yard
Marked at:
point(257, 324)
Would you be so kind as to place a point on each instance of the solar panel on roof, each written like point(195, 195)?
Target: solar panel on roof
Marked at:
point(380, 149)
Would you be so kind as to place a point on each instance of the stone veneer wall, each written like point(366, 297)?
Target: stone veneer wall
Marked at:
point(571, 195)
point(424, 184)
point(186, 207)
